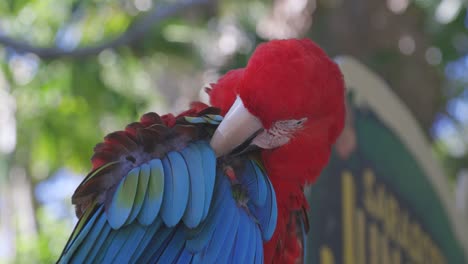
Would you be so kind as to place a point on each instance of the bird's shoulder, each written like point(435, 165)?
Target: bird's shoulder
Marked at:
point(153, 137)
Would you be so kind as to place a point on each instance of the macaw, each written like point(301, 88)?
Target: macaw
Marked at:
point(220, 184)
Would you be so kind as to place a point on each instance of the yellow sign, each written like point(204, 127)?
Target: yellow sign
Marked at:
point(381, 230)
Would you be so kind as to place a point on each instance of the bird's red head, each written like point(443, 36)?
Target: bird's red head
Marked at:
point(296, 93)
point(292, 79)
point(224, 92)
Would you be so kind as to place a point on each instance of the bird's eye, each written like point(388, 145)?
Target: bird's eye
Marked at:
point(300, 121)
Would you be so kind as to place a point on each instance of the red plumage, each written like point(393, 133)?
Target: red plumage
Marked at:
point(304, 82)
point(224, 92)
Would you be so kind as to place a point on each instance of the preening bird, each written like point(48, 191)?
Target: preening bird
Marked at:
point(203, 188)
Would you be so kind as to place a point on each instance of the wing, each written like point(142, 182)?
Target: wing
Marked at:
point(179, 208)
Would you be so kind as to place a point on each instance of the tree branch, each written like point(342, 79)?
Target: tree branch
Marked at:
point(135, 31)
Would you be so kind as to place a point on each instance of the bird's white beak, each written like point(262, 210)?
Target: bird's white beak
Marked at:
point(238, 125)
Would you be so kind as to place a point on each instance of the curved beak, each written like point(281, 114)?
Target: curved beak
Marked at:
point(238, 126)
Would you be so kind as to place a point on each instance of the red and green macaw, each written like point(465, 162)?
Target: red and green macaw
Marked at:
point(203, 188)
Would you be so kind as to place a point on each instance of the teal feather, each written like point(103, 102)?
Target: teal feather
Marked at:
point(250, 254)
point(194, 212)
point(90, 241)
point(144, 242)
point(218, 118)
point(185, 257)
point(258, 248)
point(195, 120)
point(227, 245)
point(240, 247)
point(197, 258)
point(123, 199)
point(103, 236)
point(154, 193)
point(210, 121)
point(228, 211)
point(209, 169)
point(132, 240)
point(198, 238)
point(176, 186)
point(76, 242)
point(140, 194)
point(174, 248)
point(269, 218)
point(102, 251)
point(158, 243)
point(261, 185)
point(117, 244)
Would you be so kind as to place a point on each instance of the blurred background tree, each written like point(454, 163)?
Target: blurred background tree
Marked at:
point(73, 70)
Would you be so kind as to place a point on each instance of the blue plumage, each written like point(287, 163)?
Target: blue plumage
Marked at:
point(268, 213)
point(123, 200)
point(133, 238)
point(209, 170)
point(76, 241)
point(154, 193)
point(258, 248)
point(142, 187)
point(186, 212)
point(229, 238)
point(256, 184)
point(176, 197)
point(118, 242)
point(196, 201)
point(199, 237)
point(90, 240)
point(221, 231)
point(97, 244)
point(240, 247)
point(145, 241)
point(252, 242)
point(261, 186)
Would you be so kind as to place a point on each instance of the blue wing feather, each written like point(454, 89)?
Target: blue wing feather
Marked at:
point(90, 240)
point(221, 230)
point(199, 237)
point(186, 214)
point(142, 187)
point(268, 213)
point(209, 169)
point(157, 244)
point(145, 241)
point(196, 202)
point(250, 254)
point(75, 243)
point(240, 248)
point(260, 184)
point(173, 249)
point(185, 257)
point(102, 251)
point(103, 236)
point(259, 247)
point(117, 244)
point(137, 232)
point(123, 200)
point(229, 238)
point(154, 193)
point(176, 189)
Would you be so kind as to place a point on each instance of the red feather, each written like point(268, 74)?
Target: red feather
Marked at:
point(223, 93)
